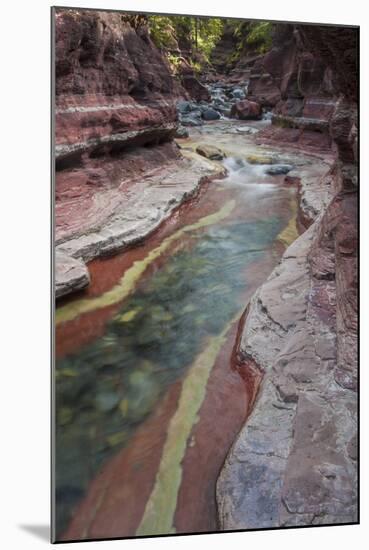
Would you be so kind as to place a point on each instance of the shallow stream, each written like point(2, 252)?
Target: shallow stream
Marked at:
point(147, 399)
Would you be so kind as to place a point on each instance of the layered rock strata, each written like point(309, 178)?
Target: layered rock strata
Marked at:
point(133, 215)
point(303, 77)
point(118, 172)
point(295, 460)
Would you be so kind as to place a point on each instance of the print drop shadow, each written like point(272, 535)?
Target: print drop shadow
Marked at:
point(40, 531)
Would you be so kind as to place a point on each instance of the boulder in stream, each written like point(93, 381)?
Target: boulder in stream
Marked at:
point(259, 159)
point(246, 110)
point(210, 114)
point(278, 169)
point(181, 132)
point(191, 120)
point(210, 152)
point(246, 130)
point(238, 93)
point(184, 107)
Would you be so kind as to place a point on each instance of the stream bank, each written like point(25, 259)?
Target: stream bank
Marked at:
point(294, 461)
point(167, 390)
point(225, 242)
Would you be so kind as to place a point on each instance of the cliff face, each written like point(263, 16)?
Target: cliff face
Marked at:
point(296, 457)
point(313, 70)
point(113, 93)
point(338, 49)
point(118, 172)
point(110, 79)
point(306, 61)
point(302, 79)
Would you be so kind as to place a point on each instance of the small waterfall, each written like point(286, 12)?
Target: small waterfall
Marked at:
point(242, 172)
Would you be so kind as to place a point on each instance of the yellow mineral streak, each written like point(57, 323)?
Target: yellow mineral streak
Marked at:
point(133, 274)
point(161, 505)
point(290, 232)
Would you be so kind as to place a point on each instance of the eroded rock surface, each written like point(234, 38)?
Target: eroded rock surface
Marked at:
point(131, 216)
point(294, 461)
point(112, 84)
point(70, 274)
point(118, 172)
point(119, 175)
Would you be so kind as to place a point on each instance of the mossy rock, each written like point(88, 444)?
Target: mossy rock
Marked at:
point(107, 401)
point(259, 159)
point(128, 316)
point(116, 439)
point(210, 152)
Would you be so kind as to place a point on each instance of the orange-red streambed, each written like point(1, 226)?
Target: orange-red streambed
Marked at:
point(106, 272)
point(116, 499)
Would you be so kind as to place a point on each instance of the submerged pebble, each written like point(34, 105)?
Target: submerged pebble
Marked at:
point(278, 169)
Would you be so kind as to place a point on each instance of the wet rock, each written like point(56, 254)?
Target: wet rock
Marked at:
point(260, 159)
point(238, 93)
point(181, 132)
point(246, 130)
point(143, 392)
point(210, 152)
point(210, 114)
point(218, 103)
point(246, 110)
point(191, 120)
point(196, 112)
point(279, 169)
point(107, 401)
point(267, 115)
point(184, 107)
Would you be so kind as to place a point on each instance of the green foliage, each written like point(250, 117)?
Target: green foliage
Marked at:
point(196, 65)
point(191, 35)
point(260, 35)
point(174, 60)
point(163, 32)
point(196, 37)
point(209, 32)
point(249, 36)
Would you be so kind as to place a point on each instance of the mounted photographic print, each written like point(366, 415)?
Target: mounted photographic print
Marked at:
point(205, 177)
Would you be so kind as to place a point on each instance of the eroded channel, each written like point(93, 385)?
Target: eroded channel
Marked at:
point(147, 399)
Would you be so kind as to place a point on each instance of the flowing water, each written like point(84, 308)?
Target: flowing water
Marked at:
point(147, 400)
